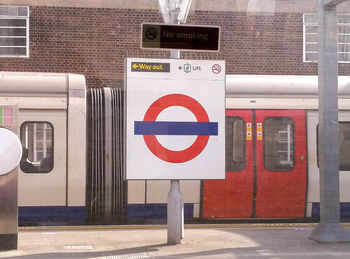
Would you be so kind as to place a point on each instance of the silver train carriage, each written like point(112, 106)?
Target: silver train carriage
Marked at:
point(72, 168)
point(52, 130)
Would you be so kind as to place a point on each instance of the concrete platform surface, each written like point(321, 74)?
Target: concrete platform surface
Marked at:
point(201, 241)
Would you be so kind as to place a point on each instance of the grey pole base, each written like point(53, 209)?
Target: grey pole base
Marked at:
point(330, 233)
point(175, 212)
point(8, 242)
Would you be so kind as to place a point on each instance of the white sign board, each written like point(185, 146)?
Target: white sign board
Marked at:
point(175, 119)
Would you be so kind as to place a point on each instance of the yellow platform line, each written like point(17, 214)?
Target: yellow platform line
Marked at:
point(187, 226)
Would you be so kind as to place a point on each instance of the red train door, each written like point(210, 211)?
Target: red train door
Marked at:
point(232, 198)
point(265, 164)
point(281, 164)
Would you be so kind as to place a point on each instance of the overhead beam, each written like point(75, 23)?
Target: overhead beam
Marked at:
point(332, 3)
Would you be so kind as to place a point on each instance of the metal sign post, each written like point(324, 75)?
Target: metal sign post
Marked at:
point(153, 86)
point(175, 206)
point(329, 229)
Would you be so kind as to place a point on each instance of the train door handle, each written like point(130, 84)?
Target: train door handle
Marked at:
point(302, 158)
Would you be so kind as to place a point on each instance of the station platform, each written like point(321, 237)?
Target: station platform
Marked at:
point(201, 241)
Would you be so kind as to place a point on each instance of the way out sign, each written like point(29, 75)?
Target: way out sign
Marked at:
point(175, 119)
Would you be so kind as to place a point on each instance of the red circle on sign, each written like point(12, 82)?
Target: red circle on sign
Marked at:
point(153, 144)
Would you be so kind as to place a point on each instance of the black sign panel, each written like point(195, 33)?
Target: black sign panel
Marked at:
point(184, 37)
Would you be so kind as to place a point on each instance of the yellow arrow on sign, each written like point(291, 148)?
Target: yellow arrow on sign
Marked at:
point(135, 66)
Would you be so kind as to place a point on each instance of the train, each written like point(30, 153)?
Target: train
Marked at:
point(72, 169)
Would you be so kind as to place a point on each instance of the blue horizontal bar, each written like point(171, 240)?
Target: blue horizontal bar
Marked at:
point(155, 211)
point(51, 215)
point(176, 128)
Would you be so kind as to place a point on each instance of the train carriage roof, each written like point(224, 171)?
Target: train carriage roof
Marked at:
point(40, 84)
point(279, 85)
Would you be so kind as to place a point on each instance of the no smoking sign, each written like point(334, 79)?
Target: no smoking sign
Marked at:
point(216, 68)
point(176, 122)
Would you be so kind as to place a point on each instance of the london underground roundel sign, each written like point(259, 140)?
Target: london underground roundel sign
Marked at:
point(149, 128)
point(199, 93)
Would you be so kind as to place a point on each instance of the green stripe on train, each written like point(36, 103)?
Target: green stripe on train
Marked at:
point(1, 115)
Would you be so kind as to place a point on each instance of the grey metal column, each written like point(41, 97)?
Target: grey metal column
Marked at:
point(175, 214)
point(9, 211)
point(9, 184)
point(175, 206)
point(329, 229)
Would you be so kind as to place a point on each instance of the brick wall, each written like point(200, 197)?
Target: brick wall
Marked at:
point(95, 41)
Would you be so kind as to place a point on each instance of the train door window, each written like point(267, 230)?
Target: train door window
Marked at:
point(235, 144)
point(344, 146)
point(37, 141)
point(279, 144)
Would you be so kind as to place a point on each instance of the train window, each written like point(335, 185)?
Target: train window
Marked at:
point(344, 146)
point(14, 31)
point(37, 141)
point(278, 133)
point(235, 144)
